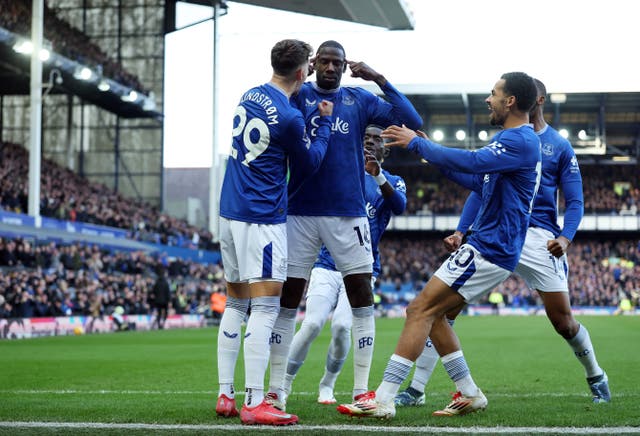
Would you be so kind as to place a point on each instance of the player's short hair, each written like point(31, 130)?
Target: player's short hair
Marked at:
point(288, 55)
point(542, 90)
point(522, 87)
point(332, 44)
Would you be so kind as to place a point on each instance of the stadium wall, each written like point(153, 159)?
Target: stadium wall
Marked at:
point(25, 328)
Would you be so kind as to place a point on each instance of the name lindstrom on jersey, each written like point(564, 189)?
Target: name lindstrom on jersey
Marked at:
point(265, 102)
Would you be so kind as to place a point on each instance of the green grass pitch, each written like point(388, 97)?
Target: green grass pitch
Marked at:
point(526, 370)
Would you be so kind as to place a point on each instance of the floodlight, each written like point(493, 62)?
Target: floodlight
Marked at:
point(83, 73)
point(461, 135)
point(44, 54)
point(23, 46)
point(130, 97)
point(438, 135)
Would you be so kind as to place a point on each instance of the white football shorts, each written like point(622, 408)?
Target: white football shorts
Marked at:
point(470, 274)
point(328, 284)
point(539, 268)
point(347, 239)
point(253, 252)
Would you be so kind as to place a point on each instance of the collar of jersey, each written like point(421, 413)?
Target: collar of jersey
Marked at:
point(277, 88)
point(523, 125)
point(324, 91)
point(544, 129)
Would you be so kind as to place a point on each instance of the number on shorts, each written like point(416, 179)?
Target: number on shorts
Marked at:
point(554, 263)
point(463, 257)
point(359, 233)
point(245, 128)
point(363, 235)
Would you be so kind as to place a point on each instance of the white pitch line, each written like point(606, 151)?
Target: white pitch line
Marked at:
point(332, 428)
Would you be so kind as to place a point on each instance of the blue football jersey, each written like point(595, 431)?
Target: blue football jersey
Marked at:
point(379, 211)
point(268, 134)
point(337, 188)
point(506, 174)
point(559, 168)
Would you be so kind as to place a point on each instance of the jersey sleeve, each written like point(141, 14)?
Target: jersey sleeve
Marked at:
point(397, 110)
point(571, 184)
point(469, 212)
point(472, 182)
point(306, 154)
point(499, 156)
point(397, 202)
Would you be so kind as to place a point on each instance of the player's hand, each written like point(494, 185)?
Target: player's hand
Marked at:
point(371, 164)
point(364, 71)
point(558, 246)
point(421, 134)
point(453, 242)
point(398, 136)
point(326, 108)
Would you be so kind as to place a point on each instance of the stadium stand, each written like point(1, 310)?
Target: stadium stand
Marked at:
point(40, 278)
point(601, 272)
point(43, 278)
point(67, 196)
point(608, 190)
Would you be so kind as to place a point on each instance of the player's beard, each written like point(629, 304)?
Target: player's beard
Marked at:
point(495, 119)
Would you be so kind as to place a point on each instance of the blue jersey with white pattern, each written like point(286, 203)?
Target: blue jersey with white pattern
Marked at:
point(337, 188)
point(268, 133)
point(379, 211)
point(506, 173)
point(559, 168)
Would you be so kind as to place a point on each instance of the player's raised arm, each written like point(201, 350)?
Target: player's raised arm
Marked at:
point(394, 195)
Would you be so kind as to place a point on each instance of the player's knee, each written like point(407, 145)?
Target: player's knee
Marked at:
point(415, 310)
point(340, 329)
point(358, 287)
point(292, 291)
point(566, 326)
point(312, 328)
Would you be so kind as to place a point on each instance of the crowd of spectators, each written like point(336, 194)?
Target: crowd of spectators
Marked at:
point(600, 272)
point(65, 195)
point(66, 40)
point(48, 279)
point(39, 279)
point(608, 190)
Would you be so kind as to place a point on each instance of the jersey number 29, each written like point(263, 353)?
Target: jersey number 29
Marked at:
point(245, 128)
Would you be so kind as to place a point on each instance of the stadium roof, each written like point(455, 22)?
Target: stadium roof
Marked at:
point(390, 14)
point(60, 76)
